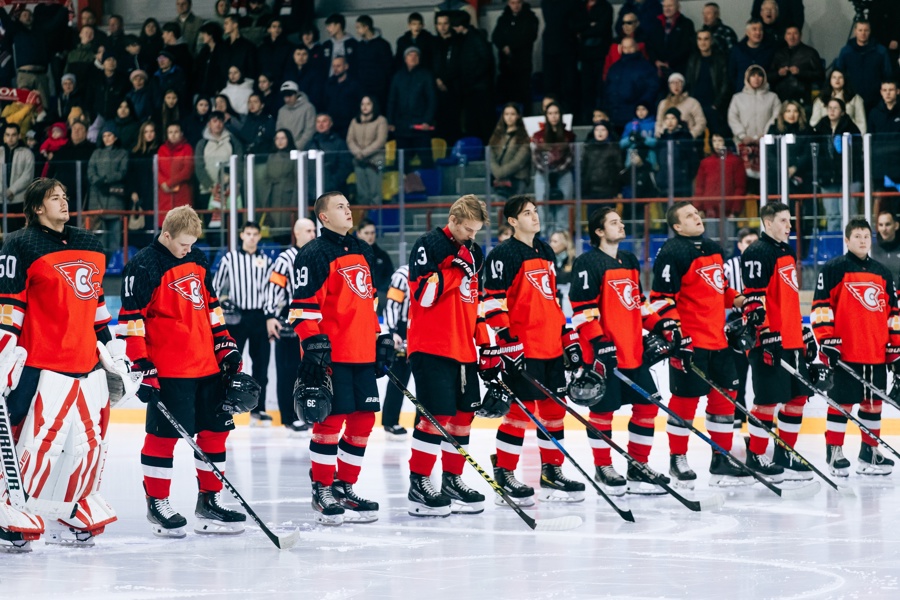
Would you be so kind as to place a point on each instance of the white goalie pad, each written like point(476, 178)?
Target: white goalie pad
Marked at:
point(13, 519)
point(122, 382)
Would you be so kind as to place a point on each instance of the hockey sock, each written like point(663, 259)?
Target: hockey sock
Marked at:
point(870, 415)
point(352, 446)
point(678, 435)
point(640, 431)
point(836, 425)
point(213, 444)
point(552, 416)
point(459, 427)
point(759, 439)
point(720, 418)
point(156, 462)
point(323, 448)
point(511, 436)
point(789, 419)
point(426, 445)
point(603, 422)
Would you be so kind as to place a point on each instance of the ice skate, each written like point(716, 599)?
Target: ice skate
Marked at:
point(794, 470)
point(463, 499)
point(299, 429)
point(873, 462)
point(395, 433)
point(328, 510)
point(610, 480)
point(764, 466)
point(724, 473)
point(838, 465)
point(212, 517)
point(521, 494)
point(645, 485)
point(164, 521)
point(424, 500)
point(556, 487)
point(682, 474)
point(356, 508)
point(260, 419)
point(60, 534)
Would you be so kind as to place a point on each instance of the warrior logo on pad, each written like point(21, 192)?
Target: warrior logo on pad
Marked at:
point(627, 291)
point(870, 295)
point(188, 287)
point(81, 276)
point(540, 279)
point(789, 275)
point(713, 275)
point(359, 280)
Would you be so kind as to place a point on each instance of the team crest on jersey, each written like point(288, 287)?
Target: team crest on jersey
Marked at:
point(468, 289)
point(83, 276)
point(359, 280)
point(540, 279)
point(869, 294)
point(627, 291)
point(789, 275)
point(713, 275)
point(188, 287)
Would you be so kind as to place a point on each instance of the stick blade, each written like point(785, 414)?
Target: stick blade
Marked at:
point(559, 523)
point(803, 492)
point(286, 541)
point(712, 503)
point(846, 491)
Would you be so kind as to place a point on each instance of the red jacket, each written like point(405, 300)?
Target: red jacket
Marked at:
point(709, 183)
point(176, 166)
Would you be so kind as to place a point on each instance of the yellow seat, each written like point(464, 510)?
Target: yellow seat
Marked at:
point(438, 148)
point(390, 185)
point(390, 153)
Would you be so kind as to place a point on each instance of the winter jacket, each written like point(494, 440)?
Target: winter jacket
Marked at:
point(856, 110)
point(752, 111)
point(865, 67)
point(338, 161)
point(476, 59)
point(373, 67)
point(684, 160)
point(563, 19)
point(281, 188)
point(411, 101)
point(511, 160)
point(64, 167)
point(632, 80)
point(211, 152)
point(257, 133)
point(674, 47)
point(342, 101)
point(242, 54)
point(173, 79)
point(640, 135)
point(210, 71)
point(106, 173)
point(80, 61)
point(426, 42)
point(176, 166)
point(107, 93)
point(552, 158)
point(139, 179)
point(299, 119)
point(799, 86)
point(142, 101)
point(309, 80)
point(691, 113)
point(275, 57)
point(718, 71)
point(238, 94)
point(709, 183)
point(831, 151)
point(519, 32)
point(368, 139)
point(598, 35)
point(742, 56)
point(22, 171)
point(127, 131)
point(601, 170)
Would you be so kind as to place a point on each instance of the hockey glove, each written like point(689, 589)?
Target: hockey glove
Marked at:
point(604, 356)
point(830, 352)
point(670, 332)
point(740, 336)
point(464, 261)
point(683, 355)
point(754, 312)
point(316, 360)
point(770, 342)
point(572, 357)
point(384, 353)
point(810, 340)
point(895, 389)
point(228, 356)
point(149, 390)
point(512, 351)
point(489, 364)
point(655, 349)
point(891, 356)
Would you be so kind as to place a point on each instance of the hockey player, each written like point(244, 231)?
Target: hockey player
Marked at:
point(855, 320)
point(333, 313)
point(279, 291)
point(520, 304)
point(689, 298)
point(444, 268)
point(610, 314)
point(772, 309)
point(169, 308)
point(53, 308)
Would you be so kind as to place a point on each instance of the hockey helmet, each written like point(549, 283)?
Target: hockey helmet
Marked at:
point(313, 402)
point(241, 394)
point(587, 388)
point(655, 349)
point(496, 402)
point(821, 376)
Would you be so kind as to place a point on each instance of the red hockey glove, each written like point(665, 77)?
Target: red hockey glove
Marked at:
point(605, 359)
point(770, 342)
point(683, 354)
point(754, 312)
point(891, 355)
point(489, 364)
point(464, 261)
point(830, 352)
point(228, 356)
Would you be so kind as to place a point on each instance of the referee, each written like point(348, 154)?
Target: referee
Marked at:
point(396, 314)
point(279, 291)
point(745, 237)
point(240, 282)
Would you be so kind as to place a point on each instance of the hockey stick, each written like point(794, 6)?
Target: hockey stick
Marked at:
point(803, 492)
point(625, 514)
point(787, 367)
point(871, 386)
point(13, 475)
point(555, 524)
point(843, 490)
point(282, 542)
point(714, 502)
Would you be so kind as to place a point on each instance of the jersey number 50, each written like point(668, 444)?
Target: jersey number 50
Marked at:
point(8, 266)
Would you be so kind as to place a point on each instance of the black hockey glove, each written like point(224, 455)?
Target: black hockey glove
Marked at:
point(741, 337)
point(228, 356)
point(149, 390)
point(895, 389)
point(316, 360)
point(754, 312)
point(655, 349)
point(683, 354)
point(830, 352)
point(384, 353)
point(604, 356)
point(770, 342)
point(572, 356)
point(811, 349)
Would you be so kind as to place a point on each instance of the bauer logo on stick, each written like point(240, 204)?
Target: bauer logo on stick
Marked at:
point(540, 279)
point(713, 275)
point(188, 287)
point(627, 292)
point(359, 279)
point(869, 294)
point(82, 276)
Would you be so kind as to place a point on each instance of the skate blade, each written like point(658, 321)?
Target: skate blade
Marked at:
point(522, 502)
point(873, 471)
point(683, 484)
point(162, 532)
point(214, 527)
point(642, 488)
point(420, 510)
point(69, 539)
point(18, 547)
point(458, 507)
point(561, 496)
point(360, 516)
point(330, 520)
point(839, 472)
point(727, 481)
point(611, 490)
point(262, 424)
point(396, 439)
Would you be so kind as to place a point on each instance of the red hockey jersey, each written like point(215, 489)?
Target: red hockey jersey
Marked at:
point(770, 276)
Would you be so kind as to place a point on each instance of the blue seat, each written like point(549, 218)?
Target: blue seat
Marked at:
point(270, 249)
point(464, 151)
point(117, 261)
point(204, 248)
point(432, 180)
point(656, 242)
point(219, 256)
point(830, 245)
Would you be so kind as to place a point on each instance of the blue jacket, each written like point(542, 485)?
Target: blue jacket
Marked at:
point(743, 56)
point(865, 67)
point(631, 80)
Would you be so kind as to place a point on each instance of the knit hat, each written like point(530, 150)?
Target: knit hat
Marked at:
point(109, 127)
point(676, 77)
point(167, 54)
point(412, 49)
point(674, 112)
point(69, 77)
point(108, 53)
point(138, 73)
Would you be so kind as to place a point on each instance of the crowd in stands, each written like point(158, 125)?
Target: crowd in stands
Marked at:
point(93, 103)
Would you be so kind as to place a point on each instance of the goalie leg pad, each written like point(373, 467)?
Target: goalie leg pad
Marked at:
point(20, 525)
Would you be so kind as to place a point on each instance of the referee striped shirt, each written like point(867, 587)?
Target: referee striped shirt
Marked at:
point(396, 309)
point(242, 279)
point(733, 274)
point(280, 285)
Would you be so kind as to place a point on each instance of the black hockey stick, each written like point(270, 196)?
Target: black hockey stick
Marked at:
point(282, 542)
point(714, 502)
point(787, 367)
point(843, 490)
point(797, 493)
point(555, 524)
point(871, 386)
point(625, 514)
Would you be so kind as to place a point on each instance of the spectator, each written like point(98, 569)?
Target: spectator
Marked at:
point(504, 232)
point(18, 165)
point(239, 51)
point(68, 98)
point(834, 126)
point(297, 115)
point(595, 41)
point(689, 109)
point(459, 5)
point(553, 162)
point(131, 58)
point(140, 95)
point(58, 137)
point(684, 155)
point(238, 90)
point(707, 80)
point(631, 81)
point(373, 62)
point(790, 11)
point(280, 183)
point(795, 69)
point(715, 180)
point(338, 44)
point(275, 51)
point(366, 138)
point(647, 12)
point(601, 167)
point(672, 42)
point(189, 23)
point(170, 76)
point(211, 72)
point(32, 45)
point(752, 50)
point(342, 95)
point(107, 169)
point(256, 21)
point(221, 12)
point(268, 94)
point(416, 35)
point(233, 121)
point(563, 20)
point(338, 161)
point(865, 63)
point(69, 164)
point(139, 180)
point(176, 171)
point(127, 124)
point(476, 61)
point(773, 27)
point(886, 248)
point(168, 111)
point(447, 78)
point(258, 129)
point(115, 41)
point(514, 36)
point(307, 77)
point(792, 120)
point(80, 59)
point(411, 108)
point(151, 41)
point(194, 124)
point(564, 256)
point(884, 124)
point(629, 28)
point(174, 44)
point(384, 267)
point(639, 141)
point(213, 151)
point(108, 89)
point(753, 109)
point(839, 88)
point(723, 37)
point(510, 154)
point(309, 39)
